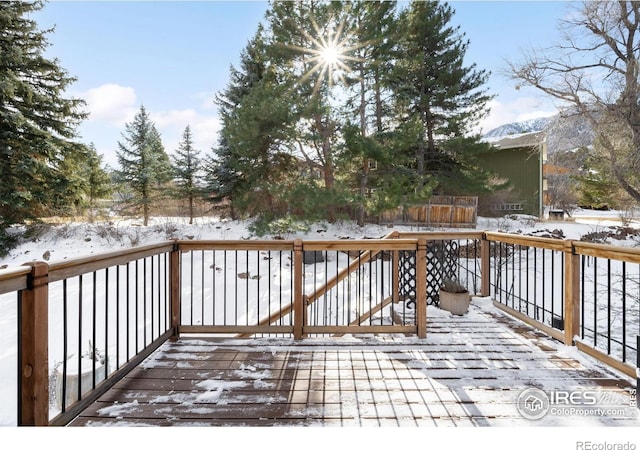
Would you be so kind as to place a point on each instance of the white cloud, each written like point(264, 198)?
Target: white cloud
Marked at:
point(111, 103)
point(205, 133)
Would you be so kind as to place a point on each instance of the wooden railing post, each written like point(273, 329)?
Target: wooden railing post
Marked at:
point(571, 293)
point(485, 266)
point(174, 289)
point(298, 288)
point(421, 287)
point(33, 344)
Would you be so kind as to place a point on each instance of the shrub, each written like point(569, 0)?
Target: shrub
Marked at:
point(453, 286)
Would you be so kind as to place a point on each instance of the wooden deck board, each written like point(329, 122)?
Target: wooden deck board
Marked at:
point(469, 371)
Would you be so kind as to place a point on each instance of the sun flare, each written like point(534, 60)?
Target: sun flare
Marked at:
point(330, 55)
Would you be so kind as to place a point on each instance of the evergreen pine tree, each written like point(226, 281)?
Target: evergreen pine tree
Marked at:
point(259, 162)
point(302, 34)
point(70, 185)
point(371, 27)
point(144, 165)
point(37, 124)
point(187, 168)
point(222, 174)
point(440, 97)
point(97, 179)
point(243, 79)
point(250, 164)
point(597, 187)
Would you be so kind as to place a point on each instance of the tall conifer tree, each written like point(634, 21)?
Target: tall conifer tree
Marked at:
point(371, 26)
point(187, 168)
point(250, 164)
point(438, 98)
point(97, 179)
point(301, 34)
point(225, 177)
point(144, 164)
point(37, 123)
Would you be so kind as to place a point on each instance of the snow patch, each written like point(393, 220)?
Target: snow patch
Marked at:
point(117, 410)
point(213, 385)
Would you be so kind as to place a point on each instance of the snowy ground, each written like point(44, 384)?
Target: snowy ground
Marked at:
point(72, 240)
point(69, 240)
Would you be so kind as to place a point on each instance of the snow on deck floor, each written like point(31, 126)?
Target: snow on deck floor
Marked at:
point(469, 371)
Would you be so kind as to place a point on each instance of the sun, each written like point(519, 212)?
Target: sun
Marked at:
point(330, 55)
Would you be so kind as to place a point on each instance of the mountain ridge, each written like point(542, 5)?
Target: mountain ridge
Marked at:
point(563, 133)
point(527, 126)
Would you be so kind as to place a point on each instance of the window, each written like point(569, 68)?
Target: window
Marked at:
point(508, 207)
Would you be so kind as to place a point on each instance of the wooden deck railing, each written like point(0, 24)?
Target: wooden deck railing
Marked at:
point(86, 322)
point(580, 293)
point(285, 296)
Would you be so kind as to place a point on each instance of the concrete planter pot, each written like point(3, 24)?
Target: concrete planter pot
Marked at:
point(85, 377)
point(455, 302)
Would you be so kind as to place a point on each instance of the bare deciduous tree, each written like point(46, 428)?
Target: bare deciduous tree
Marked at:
point(594, 72)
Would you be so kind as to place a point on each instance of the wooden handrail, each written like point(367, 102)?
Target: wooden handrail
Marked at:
point(531, 241)
point(13, 279)
point(257, 245)
point(14, 272)
point(78, 266)
point(627, 254)
point(382, 244)
point(441, 236)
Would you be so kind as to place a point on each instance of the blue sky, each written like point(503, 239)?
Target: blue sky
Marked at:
point(173, 56)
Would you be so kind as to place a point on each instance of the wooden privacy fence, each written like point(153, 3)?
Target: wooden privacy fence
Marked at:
point(85, 323)
point(441, 211)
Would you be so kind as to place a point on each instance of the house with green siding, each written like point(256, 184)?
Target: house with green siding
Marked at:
point(519, 160)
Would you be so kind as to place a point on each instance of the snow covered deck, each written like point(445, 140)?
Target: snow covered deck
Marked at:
point(469, 371)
